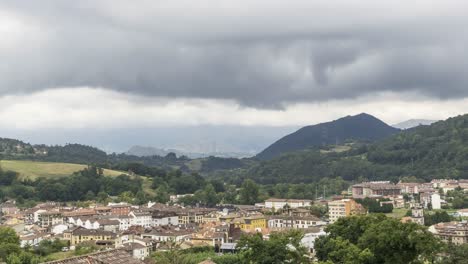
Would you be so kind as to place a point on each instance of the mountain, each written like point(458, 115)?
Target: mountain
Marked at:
point(142, 151)
point(436, 151)
point(361, 127)
point(413, 123)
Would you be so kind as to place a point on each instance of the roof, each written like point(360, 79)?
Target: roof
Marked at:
point(114, 256)
point(133, 246)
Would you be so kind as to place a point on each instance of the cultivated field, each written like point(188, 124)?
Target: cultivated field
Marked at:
point(35, 169)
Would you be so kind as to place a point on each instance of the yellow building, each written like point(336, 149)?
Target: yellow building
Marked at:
point(343, 208)
point(251, 222)
point(80, 234)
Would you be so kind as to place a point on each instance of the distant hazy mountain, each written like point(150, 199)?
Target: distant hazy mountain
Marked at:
point(359, 127)
point(414, 123)
point(144, 151)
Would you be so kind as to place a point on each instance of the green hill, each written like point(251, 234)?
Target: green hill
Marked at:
point(362, 127)
point(34, 169)
point(426, 152)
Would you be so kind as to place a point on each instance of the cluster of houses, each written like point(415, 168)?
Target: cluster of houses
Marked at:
point(139, 230)
point(136, 231)
point(430, 194)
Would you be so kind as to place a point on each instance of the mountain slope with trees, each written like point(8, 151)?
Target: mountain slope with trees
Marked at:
point(426, 152)
point(362, 127)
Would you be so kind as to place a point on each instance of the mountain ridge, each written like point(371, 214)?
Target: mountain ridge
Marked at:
point(358, 127)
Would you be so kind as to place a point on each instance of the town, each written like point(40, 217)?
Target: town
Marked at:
point(134, 233)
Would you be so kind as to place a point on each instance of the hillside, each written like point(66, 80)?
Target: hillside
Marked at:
point(362, 127)
point(32, 169)
point(429, 152)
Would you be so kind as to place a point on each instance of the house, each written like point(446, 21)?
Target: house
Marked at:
point(139, 248)
point(430, 198)
point(80, 234)
point(344, 208)
point(164, 218)
point(140, 218)
point(111, 225)
point(173, 234)
point(451, 232)
point(310, 235)
point(193, 215)
point(463, 212)
point(120, 209)
point(58, 229)
point(32, 239)
point(49, 218)
point(9, 208)
point(278, 221)
point(274, 203)
point(114, 256)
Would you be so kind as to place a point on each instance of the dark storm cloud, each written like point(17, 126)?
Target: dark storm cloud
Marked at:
point(259, 53)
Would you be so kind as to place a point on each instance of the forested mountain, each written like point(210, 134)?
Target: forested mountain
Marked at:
point(361, 127)
point(426, 152)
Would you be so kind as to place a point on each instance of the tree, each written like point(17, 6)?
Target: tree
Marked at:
point(377, 239)
point(210, 196)
point(249, 192)
point(456, 254)
point(339, 250)
point(8, 236)
point(280, 248)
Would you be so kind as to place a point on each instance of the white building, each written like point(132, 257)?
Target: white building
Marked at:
point(309, 238)
point(274, 203)
point(140, 218)
point(435, 201)
point(32, 239)
point(294, 222)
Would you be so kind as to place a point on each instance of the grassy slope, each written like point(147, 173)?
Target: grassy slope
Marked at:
point(33, 169)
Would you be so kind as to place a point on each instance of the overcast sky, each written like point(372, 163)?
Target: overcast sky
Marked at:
point(159, 63)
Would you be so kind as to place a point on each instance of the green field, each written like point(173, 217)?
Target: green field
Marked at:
point(397, 213)
point(34, 169)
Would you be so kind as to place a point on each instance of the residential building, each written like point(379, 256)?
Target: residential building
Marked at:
point(174, 234)
point(463, 212)
point(140, 218)
point(310, 235)
point(380, 188)
point(274, 203)
point(279, 221)
point(249, 223)
point(49, 218)
point(344, 208)
point(451, 232)
point(164, 218)
point(409, 187)
point(417, 215)
point(32, 239)
point(80, 234)
point(120, 209)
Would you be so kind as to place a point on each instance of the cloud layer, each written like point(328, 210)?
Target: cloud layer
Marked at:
point(255, 54)
point(84, 108)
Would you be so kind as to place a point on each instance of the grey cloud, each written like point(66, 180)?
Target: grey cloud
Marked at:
point(266, 57)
